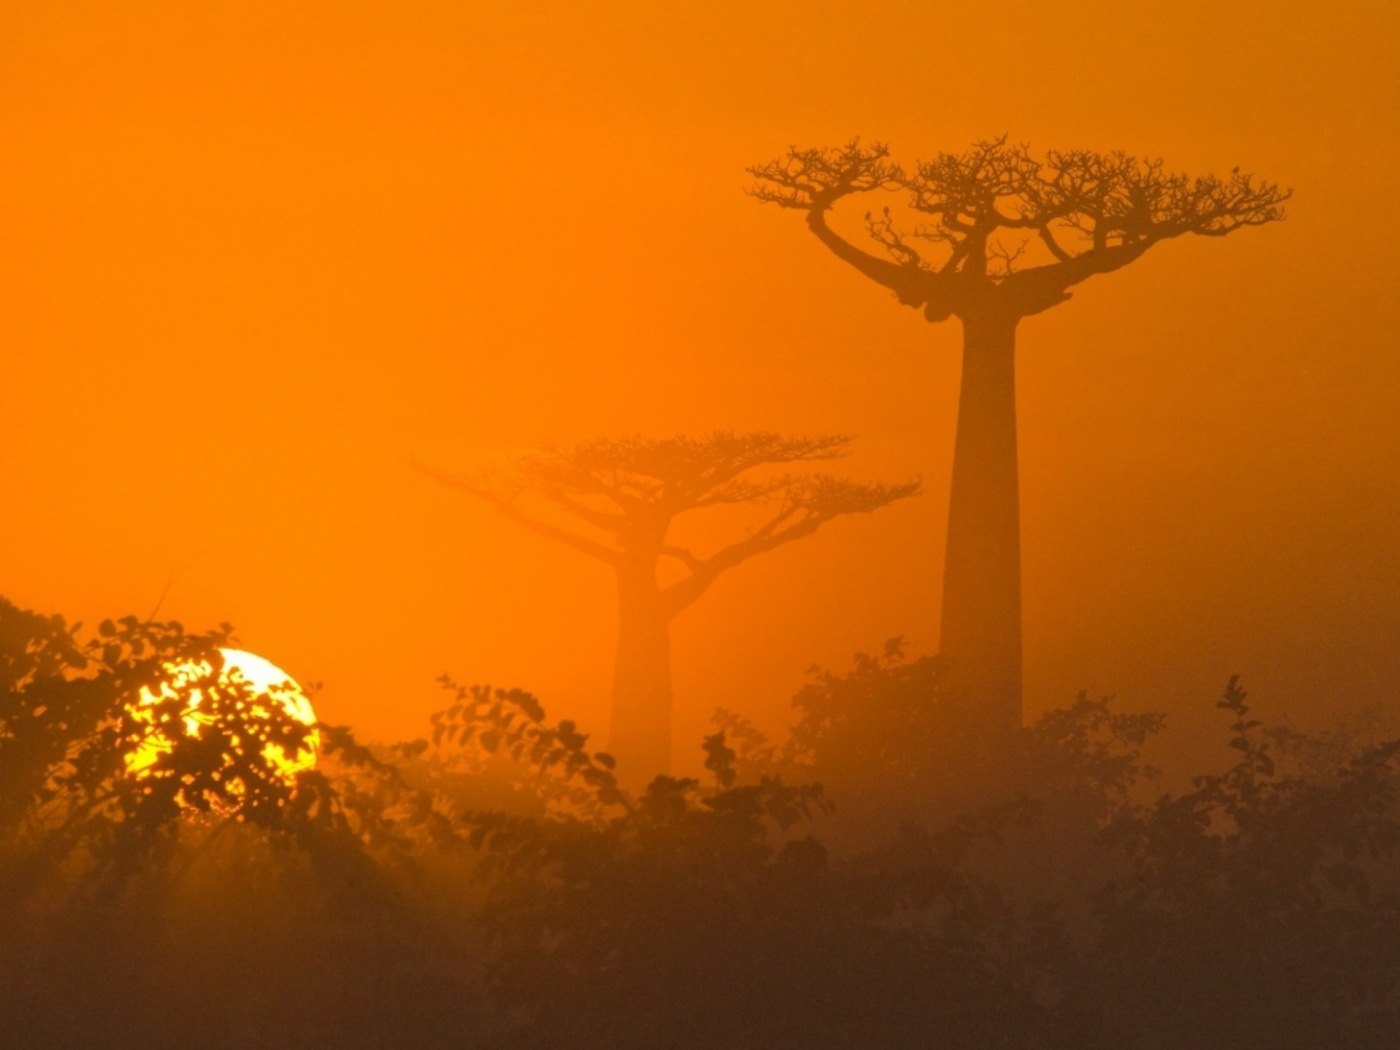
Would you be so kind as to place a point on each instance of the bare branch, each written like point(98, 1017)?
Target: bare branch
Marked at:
point(1002, 259)
point(973, 193)
point(814, 179)
point(1047, 238)
point(682, 555)
point(808, 504)
point(882, 229)
point(479, 487)
point(911, 283)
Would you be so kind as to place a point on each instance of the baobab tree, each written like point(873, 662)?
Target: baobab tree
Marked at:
point(627, 493)
point(1001, 234)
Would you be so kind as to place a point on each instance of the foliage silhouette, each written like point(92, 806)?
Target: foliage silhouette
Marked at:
point(207, 873)
point(1010, 234)
point(695, 915)
point(630, 491)
point(887, 738)
point(496, 885)
point(71, 723)
point(1262, 909)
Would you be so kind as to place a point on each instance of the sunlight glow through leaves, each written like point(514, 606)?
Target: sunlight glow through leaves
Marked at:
point(257, 684)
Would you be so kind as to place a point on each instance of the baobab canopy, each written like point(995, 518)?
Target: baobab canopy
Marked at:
point(1007, 229)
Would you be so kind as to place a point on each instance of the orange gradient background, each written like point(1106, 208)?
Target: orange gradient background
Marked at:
point(255, 256)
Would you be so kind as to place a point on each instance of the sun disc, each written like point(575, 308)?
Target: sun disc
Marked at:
point(271, 689)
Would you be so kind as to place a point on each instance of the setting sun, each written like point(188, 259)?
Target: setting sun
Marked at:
point(267, 685)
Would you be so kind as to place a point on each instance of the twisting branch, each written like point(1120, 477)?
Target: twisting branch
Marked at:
point(480, 488)
point(807, 504)
point(814, 179)
point(882, 229)
point(1002, 260)
point(682, 555)
point(1090, 213)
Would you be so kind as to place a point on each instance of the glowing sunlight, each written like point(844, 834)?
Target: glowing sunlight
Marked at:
point(256, 685)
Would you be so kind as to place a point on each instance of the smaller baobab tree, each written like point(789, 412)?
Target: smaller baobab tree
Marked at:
point(627, 493)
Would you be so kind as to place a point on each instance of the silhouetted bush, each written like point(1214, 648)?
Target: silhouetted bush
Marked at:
point(875, 880)
point(208, 901)
point(1260, 910)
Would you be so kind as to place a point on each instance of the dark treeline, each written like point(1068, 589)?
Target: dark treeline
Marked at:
point(879, 878)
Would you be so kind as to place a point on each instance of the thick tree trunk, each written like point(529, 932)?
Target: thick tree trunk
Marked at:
point(981, 629)
point(640, 735)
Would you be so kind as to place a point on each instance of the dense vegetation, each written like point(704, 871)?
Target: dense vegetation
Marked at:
point(881, 878)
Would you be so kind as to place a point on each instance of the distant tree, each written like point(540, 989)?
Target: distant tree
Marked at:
point(1011, 234)
point(628, 492)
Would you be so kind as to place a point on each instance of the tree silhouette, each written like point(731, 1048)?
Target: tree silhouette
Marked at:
point(628, 492)
point(1009, 235)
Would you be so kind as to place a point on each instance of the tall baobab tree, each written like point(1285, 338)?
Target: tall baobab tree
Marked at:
point(1000, 235)
point(627, 493)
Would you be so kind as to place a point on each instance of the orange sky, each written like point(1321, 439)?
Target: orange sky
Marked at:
point(256, 255)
